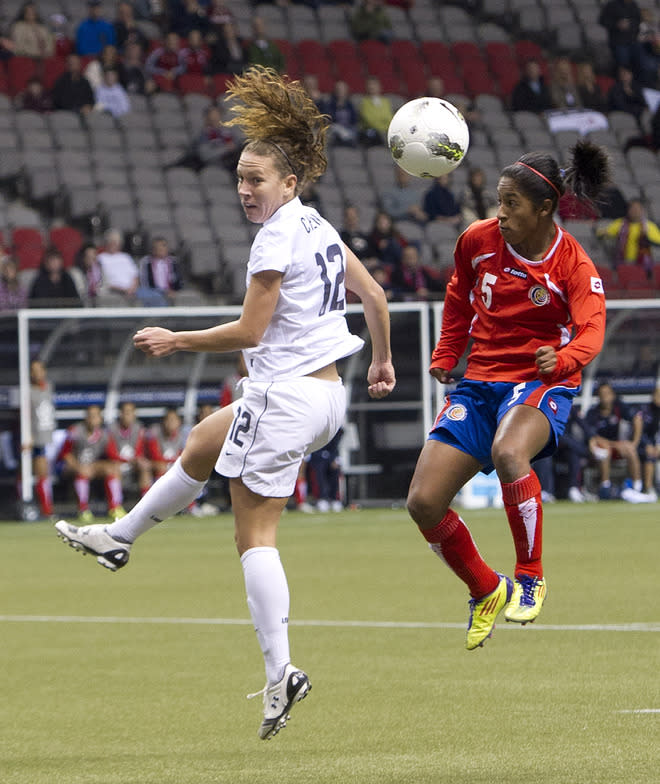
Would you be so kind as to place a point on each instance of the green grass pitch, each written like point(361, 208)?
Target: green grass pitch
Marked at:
point(140, 677)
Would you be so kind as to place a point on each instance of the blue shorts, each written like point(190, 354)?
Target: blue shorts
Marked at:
point(38, 451)
point(472, 412)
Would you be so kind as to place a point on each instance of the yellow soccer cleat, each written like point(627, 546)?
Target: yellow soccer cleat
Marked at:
point(117, 513)
point(528, 597)
point(86, 516)
point(483, 613)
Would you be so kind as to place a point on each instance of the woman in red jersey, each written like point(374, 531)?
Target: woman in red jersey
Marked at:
point(530, 300)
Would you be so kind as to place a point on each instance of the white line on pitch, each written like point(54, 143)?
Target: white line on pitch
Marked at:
point(619, 627)
point(640, 710)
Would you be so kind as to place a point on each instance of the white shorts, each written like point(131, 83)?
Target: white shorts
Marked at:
point(277, 423)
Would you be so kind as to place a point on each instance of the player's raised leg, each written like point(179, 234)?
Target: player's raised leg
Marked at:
point(174, 491)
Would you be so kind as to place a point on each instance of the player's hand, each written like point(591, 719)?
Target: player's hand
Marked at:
point(155, 341)
point(546, 359)
point(443, 376)
point(381, 379)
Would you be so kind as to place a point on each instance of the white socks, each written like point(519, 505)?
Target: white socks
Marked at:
point(174, 491)
point(268, 600)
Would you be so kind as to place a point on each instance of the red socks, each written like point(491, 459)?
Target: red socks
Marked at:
point(451, 540)
point(522, 503)
point(44, 490)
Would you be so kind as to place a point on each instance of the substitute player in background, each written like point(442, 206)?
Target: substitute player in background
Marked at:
point(530, 299)
point(85, 457)
point(292, 330)
point(127, 446)
point(44, 422)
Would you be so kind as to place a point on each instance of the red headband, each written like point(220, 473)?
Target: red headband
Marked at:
point(542, 176)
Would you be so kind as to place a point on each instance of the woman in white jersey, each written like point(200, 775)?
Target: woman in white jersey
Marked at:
point(292, 330)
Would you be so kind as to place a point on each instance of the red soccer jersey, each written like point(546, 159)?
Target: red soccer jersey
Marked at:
point(510, 306)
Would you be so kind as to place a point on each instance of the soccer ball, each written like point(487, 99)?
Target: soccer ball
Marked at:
point(428, 137)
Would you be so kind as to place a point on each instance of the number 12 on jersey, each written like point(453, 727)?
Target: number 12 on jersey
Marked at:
point(333, 292)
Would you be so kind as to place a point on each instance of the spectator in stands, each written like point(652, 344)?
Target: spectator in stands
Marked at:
point(34, 98)
point(343, 115)
point(71, 91)
point(111, 97)
point(411, 281)
point(588, 89)
point(165, 442)
point(137, 81)
point(311, 197)
point(31, 37)
point(53, 286)
point(374, 114)
point(188, 15)
point(215, 144)
point(127, 439)
point(478, 202)
point(166, 62)
point(385, 240)
point(563, 90)
point(228, 53)
point(370, 21)
point(626, 95)
point(43, 423)
point(13, 295)
point(614, 431)
point(196, 55)
point(440, 204)
point(95, 32)
point(531, 94)
point(90, 272)
point(633, 236)
point(119, 273)
point(127, 30)
point(219, 14)
point(621, 19)
point(160, 272)
point(85, 457)
point(108, 58)
point(262, 50)
point(403, 201)
point(352, 234)
point(649, 445)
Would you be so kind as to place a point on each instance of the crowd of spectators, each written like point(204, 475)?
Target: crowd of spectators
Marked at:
point(111, 58)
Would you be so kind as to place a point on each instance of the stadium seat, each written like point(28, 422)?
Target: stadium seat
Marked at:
point(633, 278)
point(19, 71)
point(67, 240)
point(194, 83)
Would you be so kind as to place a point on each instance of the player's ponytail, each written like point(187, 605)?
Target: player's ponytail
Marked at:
point(538, 174)
point(589, 170)
point(280, 120)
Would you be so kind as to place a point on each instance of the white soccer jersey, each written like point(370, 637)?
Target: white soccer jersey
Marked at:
point(308, 329)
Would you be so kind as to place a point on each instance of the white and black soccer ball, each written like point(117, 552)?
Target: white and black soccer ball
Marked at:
point(428, 137)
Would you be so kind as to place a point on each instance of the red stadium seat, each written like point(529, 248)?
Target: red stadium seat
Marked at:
point(166, 85)
point(19, 72)
point(310, 52)
point(194, 83)
point(54, 67)
point(23, 236)
point(528, 50)
point(633, 277)
point(67, 240)
point(220, 83)
point(655, 275)
point(28, 257)
point(343, 49)
point(477, 79)
point(466, 51)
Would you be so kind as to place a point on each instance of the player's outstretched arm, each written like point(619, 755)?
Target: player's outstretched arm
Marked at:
point(381, 377)
point(258, 308)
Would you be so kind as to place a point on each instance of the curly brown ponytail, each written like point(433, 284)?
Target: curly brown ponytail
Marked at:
point(280, 120)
